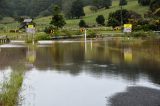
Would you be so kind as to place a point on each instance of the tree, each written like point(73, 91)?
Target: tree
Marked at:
point(93, 8)
point(122, 2)
point(107, 3)
point(82, 23)
point(77, 9)
point(115, 20)
point(57, 20)
point(154, 5)
point(144, 2)
point(100, 19)
point(102, 3)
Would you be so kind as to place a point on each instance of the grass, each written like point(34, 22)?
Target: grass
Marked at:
point(10, 89)
point(91, 16)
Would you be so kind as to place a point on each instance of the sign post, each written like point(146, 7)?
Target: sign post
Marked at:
point(31, 30)
point(127, 28)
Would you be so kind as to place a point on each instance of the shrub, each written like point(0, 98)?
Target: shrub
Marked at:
point(113, 22)
point(91, 34)
point(100, 19)
point(114, 18)
point(42, 36)
point(49, 30)
point(82, 23)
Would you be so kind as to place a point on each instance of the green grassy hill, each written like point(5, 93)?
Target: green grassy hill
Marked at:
point(90, 17)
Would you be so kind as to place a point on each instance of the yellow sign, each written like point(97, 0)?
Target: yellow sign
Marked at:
point(127, 28)
point(127, 25)
point(82, 29)
point(30, 26)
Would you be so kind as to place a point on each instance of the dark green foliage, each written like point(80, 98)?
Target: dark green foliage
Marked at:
point(143, 22)
point(82, 23)
point(77, 9)
point(49, 30)
point(20, 19)
point(102, 3)
point(113, 22)
point(122, 2)
point(154, 5)
point(144, 2)
point(100, 19)
point(1, 17)
point(57, 20)
point(114, 18)
point(93, 8)
point(91, 34)
point(148, 25)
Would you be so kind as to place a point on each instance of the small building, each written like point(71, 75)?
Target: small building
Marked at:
point(26, 22)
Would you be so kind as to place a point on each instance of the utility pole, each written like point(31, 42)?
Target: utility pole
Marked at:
point(121, 19)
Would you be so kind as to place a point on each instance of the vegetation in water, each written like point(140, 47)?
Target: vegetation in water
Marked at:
point(10, 89)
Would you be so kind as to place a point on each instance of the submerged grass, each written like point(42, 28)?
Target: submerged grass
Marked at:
point(10, 89)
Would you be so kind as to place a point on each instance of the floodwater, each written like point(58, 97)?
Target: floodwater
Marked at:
point(82, 74)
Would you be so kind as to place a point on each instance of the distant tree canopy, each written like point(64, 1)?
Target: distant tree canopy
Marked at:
point(122, 2)
point(77, 9)
point(57, 19)
point(100, 20)
point(102, 3)
point(154, 5)
point(114, 18)
point(82, 23)
point(144, 2)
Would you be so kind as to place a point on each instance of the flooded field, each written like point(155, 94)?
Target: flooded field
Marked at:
point(82, 73)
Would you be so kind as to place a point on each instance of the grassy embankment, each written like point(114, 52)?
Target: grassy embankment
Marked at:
point(9, 96)
point(90, 18)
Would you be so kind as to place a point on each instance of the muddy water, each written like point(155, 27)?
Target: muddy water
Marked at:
point(82, 74)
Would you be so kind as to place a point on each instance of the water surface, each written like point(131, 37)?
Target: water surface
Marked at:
point(82, 74)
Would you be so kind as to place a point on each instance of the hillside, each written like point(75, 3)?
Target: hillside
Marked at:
point(91, 16)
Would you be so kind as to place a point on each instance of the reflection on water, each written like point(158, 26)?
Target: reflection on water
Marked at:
point(83, 74)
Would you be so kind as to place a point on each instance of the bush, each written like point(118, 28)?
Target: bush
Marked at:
point(82, 23)
point(49, 30)
point(114, 18)
point(42, 36)
point(100, 19)
point(113, 22)
point(91, 34)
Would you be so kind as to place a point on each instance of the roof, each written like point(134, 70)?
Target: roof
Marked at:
point(27, 20)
